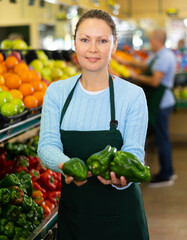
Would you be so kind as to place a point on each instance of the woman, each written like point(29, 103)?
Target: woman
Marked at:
point(80, 116)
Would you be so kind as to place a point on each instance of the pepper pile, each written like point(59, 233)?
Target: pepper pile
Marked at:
point(19, 214)
point(109, 159)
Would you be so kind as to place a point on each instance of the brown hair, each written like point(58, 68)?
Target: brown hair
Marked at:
point(99, 14)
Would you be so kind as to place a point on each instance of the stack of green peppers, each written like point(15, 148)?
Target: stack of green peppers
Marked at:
point(19, 214)
point(109, 159)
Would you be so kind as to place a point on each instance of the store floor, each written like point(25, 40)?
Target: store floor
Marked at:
point(166, 207)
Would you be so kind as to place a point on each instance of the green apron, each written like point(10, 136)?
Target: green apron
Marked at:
point(153, 96)
point(96, 211)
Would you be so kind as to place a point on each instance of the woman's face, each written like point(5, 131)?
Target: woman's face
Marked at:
point(94, 44)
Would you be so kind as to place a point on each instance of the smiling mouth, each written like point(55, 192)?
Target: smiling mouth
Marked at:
point(92, 59)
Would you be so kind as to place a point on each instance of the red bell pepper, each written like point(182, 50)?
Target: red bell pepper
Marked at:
point(54, 196)
point(5, 165)
point(49, 204)
point(16, 195)
point(59, 181)
point(33, 161)
point(38, 187)
point(21, 161)
point(46, 209)
point(35, 174)
point(19, 169)
point(41, 167)
point(37, 196)
point(48, 179)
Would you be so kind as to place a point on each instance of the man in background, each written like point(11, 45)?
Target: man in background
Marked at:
point(157, 80)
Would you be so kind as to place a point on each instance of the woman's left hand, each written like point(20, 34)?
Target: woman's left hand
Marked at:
point(119, 182)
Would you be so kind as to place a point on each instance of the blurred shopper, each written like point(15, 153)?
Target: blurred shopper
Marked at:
point(181, 45)
point(80, 116)
point(157, 80)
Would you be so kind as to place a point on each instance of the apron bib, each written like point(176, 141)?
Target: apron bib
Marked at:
point(96, 211)
point(153, 96)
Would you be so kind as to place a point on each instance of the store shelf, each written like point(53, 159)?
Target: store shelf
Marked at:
point(20, 127)
point(45, 227)
point(181, 105)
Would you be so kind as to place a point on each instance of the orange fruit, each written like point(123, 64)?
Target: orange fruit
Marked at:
point(16, 93)
point(38, 86)
point(11, 62)
point(26, 89)
point(4, 88)
point(2, 79)
point(3, 68)
point(30, 101)
point(12, 80)
point(35, 75)
point(44, 87)
point(25, 75)
point(20, 66)
point(39, 96)
point(1, 57)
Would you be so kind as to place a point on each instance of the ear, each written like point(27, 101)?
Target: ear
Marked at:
point(115, 46)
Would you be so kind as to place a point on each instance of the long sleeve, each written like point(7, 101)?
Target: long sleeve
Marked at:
point(91, 113)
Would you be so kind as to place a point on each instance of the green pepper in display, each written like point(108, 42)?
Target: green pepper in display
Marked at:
point(21, 221)
point(76, 168)
point(10, 212)
point(9, 181)
point(3, 237)
point(27, 203)
point(26, 181)
point(6, 228)
point(4, 195)
point(126, 164)
point(99, 162)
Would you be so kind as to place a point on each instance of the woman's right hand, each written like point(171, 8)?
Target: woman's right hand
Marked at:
point(69, 179)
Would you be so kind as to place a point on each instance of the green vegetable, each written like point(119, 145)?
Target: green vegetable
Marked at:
point(29, 226)
point(127, 165)
point(76, 168)
point(99, 162)
point(26, 181)
point(10, 212)
point(21, 220)
point(27, 203)
point(3, 237)
point(9, 181)
point(21, 233)
point(4, 195)
point(6, 228)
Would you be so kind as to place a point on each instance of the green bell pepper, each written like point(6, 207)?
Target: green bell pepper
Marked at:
point(127, 164)
point(10, 212)
point(3, 237)
point(27, 203)
point(21, 220)
point(28, 225)
point(26, 181)
point(99, 162)
point(4, 195)
point(6, 228)
point(76, 168)
point(9, 181)
point(0, 210)
point(21, 233)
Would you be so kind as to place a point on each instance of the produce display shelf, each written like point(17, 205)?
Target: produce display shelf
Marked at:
point(181, 105)
point(45, 227)
point(20, 127)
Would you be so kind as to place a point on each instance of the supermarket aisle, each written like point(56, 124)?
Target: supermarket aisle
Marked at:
point(166, 207)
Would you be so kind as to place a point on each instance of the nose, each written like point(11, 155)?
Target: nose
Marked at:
point(93, 47)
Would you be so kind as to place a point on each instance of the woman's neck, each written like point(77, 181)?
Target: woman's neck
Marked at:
point(94, 81)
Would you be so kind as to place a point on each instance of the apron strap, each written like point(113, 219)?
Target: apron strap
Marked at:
point(68, 100)
point(113, 122)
